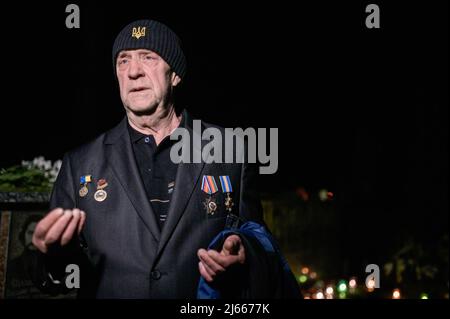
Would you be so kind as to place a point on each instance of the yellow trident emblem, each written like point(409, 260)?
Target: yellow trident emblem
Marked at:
point(138, 32)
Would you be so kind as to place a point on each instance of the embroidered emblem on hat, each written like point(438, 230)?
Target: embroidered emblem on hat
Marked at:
point(138, 32)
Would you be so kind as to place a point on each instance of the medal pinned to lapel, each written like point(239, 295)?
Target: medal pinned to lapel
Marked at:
point(227, 189)
point(84, 181)
point(100, 195)
point(209, 187)
point(170, 187)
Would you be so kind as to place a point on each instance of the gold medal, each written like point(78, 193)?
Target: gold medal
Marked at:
point(229, 203)
point(100, 195)
point(84, 180)
point(83, 191)
point(227, 188)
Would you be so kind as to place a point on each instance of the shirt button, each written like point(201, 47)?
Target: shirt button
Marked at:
point(147, 139)
point(155, 275)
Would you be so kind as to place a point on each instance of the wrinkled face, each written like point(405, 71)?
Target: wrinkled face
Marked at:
point(145, 80)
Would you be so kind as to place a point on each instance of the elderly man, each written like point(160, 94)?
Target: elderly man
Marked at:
point(135, 222)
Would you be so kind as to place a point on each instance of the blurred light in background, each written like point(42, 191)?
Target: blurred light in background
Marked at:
point(371, 285)
point(319, 295)
point(396, 294)
point(352, 283)
point(342, 286)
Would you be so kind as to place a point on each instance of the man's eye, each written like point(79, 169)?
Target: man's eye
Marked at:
point(124, 61)
point(149, 57)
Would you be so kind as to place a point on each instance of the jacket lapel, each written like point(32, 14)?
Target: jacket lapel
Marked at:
point(120, 157)
point(188, 175)
point(187, 178)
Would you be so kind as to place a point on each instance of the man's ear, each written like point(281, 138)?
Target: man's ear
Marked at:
point(175, 79)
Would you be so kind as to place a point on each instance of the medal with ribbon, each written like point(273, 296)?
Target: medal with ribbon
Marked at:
point(100, 195)
point(209, 187)
point(227, 189)
point(84, 181)
point(233, 220)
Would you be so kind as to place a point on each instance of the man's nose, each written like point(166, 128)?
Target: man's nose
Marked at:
point(135, 70)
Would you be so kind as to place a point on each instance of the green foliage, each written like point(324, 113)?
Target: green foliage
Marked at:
point(24, 179)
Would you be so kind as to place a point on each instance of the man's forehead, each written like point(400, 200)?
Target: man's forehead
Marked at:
point(138, 51)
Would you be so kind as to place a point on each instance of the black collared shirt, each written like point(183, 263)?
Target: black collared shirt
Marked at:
point(158, 172)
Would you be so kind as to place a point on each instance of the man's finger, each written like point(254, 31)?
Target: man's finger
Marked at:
point(82, 220)
point(39, 244)
point(241, 253)
point(210, 272)
point(203, 272)
point(223, 260)
point(206, 258)
point(46, 223)
point(231, 245)
point(70, 229)
point(55, 232)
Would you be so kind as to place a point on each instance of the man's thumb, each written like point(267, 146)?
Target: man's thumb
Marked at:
point(231, 245)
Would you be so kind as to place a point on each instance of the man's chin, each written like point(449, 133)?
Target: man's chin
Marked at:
point(142, 109)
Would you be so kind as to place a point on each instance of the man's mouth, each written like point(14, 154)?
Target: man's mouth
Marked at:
point(138, 89)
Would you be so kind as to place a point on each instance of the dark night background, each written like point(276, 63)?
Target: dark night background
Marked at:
point(361, 112)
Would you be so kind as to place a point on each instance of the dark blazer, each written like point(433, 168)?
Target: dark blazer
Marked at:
point(122, 251)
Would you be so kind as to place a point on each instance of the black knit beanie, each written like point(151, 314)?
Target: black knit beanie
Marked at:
point(154, 36)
